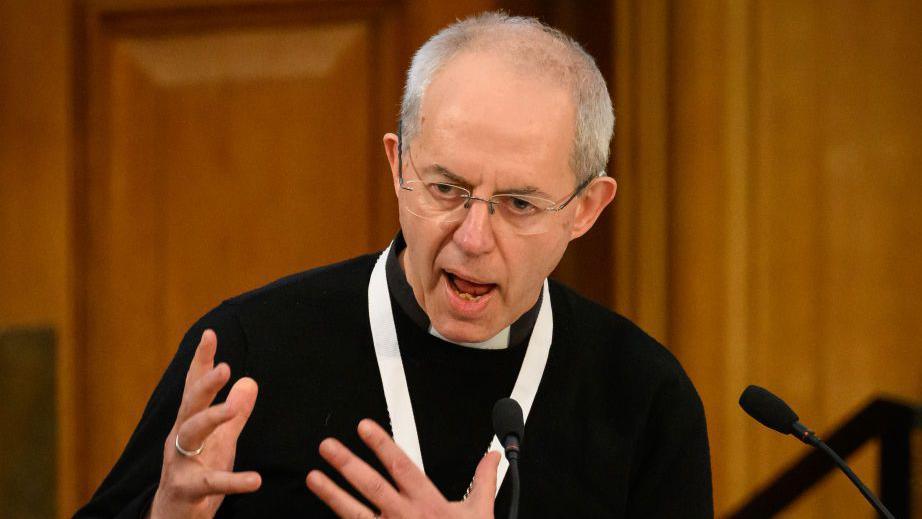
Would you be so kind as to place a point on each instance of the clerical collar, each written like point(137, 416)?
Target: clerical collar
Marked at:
point(514, 335)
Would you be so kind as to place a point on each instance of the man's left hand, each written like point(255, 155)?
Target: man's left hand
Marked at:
point(415, 497)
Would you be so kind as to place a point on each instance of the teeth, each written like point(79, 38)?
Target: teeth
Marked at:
point(468, 297)
point(465, 295)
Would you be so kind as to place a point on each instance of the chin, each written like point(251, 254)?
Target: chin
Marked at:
point(460, 331)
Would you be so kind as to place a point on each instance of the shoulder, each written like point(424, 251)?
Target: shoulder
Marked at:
point(316, 300)
point(632, 360)
point(609, 333)
point(320, 286)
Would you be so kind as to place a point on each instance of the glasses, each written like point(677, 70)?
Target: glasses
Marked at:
point(445, 203)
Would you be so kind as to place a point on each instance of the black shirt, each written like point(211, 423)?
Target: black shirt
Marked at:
point(616, 428)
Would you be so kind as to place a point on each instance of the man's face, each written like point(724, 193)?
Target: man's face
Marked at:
point(499, 131)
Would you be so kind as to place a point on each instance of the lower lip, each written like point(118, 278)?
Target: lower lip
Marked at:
point(463, 306)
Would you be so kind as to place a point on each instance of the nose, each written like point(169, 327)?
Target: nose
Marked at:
point(475, 234)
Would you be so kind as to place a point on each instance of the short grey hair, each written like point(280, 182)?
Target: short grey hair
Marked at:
point(535, 48)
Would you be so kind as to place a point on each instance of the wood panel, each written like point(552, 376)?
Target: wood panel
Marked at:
point(36, 246)
point(218, 163)
point(791, 232)
point(639, 163)
point(223, 145)
point(840, 120)
point(767, 226)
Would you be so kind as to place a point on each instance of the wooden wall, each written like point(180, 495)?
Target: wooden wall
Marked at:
point(36, 192)
point(768, 224)
point(157, 156)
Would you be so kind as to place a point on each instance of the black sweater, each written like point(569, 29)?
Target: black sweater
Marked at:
point(616, 428)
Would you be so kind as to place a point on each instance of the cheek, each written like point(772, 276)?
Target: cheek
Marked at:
point(423, 239)
point(532, 262)
point(566, 221)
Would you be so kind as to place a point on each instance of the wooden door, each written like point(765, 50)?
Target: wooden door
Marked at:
point(221, 145)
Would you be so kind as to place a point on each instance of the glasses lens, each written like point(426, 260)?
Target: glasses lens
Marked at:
point(433, 200)
point(522, 214)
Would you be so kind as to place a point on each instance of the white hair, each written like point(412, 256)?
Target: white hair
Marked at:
point(535, 48)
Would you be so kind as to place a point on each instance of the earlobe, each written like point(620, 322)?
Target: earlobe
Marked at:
point(590, 205)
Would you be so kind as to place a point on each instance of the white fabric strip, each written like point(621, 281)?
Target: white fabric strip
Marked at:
point(500, 341)
point(394, 380)
point(387, 351)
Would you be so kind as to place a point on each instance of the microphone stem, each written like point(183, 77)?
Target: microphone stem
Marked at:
point(514, 474)
point(881, 509)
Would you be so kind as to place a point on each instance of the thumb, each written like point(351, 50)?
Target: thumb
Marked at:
point(484, 488)
point(242, 398)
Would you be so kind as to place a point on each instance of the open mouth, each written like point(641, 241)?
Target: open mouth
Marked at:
point(467, 289)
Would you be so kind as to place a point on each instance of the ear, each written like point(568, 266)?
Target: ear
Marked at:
point(590, 204)
point(390, 149)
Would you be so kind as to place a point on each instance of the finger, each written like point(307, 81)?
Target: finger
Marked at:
point(203, 360)
point(335, 497)
point(194, 431)
point(219, 482)
point(242, 398)
point(484, 489)
point(408, 476)
point(202, 392)
point(365, 479)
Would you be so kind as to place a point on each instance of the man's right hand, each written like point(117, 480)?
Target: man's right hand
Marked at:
point(195, 485)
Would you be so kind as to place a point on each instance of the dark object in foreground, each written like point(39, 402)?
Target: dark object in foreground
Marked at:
point(772, 412)
point(510, 429)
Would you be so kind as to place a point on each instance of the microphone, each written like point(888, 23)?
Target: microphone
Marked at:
point(772, 412)
point(509, 427)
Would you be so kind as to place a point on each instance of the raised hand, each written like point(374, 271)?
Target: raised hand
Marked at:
point(198, 455)
point(415, 497)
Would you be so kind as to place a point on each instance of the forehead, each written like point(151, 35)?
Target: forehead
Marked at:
point(481, 113)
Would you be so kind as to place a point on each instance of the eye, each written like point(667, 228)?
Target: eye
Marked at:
point(446, 191)
point(519, 206)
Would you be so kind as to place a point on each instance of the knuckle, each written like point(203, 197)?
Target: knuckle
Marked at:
point(380, 442)
point(377, 488)
point(171, 486)
point(208, 482)
point(197, 387)
point(400, 466)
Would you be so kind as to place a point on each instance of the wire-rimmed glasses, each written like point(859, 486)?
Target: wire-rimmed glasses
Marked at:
point(445, 202)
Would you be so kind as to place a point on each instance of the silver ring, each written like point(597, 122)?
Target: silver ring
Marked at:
point(186, 453)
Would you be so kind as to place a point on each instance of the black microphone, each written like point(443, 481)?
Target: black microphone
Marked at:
point(772, 412)
point(510, 429)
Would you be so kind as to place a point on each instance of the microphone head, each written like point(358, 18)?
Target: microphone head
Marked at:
point(768, 409)
point(507, 420)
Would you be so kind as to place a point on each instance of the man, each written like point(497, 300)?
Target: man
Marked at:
point(499, 164)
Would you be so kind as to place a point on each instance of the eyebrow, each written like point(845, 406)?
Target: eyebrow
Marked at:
point(448, 174)
point(458, 179)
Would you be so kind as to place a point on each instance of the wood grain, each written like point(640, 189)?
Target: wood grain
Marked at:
point(226, 145)
point(791, 244)
point(157, 156)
